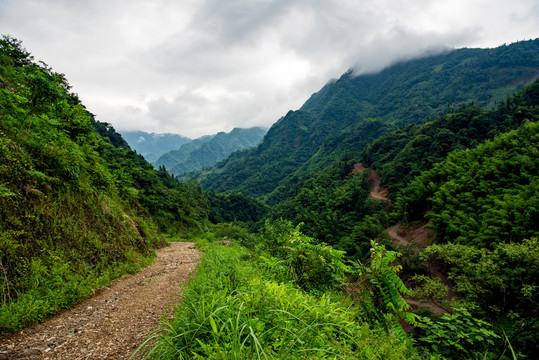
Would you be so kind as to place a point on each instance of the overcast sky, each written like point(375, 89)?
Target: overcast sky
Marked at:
point(197, 67)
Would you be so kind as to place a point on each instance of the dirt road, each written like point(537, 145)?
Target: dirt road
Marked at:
point(374, 180)
point(116, 320)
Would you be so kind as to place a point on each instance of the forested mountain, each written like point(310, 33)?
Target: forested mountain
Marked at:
point(399, 156)
point(77, 206)
point(349, 112)
point(334, 204)
point(208, 150)
point(153, 145)
point(482, 204)
point(431, 144)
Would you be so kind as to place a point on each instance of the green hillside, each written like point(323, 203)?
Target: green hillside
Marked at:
point(482, 203)
point(207, 151)
point(314, 271)
point(181, 154)
point(410, 92)
point(482, 196)
point(400, 155)
point(77, 206)
point(334, 203)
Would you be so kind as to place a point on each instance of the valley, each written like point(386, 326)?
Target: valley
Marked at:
point(392, 216)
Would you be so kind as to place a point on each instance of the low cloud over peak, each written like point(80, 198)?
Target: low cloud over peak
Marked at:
point(198, 67)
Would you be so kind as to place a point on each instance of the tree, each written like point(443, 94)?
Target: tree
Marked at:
point(13, 48)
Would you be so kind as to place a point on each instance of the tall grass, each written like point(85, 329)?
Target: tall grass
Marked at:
point(56, 286)
point(233, 309)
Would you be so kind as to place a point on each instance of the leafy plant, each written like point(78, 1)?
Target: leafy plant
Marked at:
point(75, 210)
point(311, 266)
point(233, 309)
point(382, 289)
point(457, 335)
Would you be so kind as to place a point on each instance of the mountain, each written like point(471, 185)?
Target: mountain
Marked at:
point(78, 208)
point(209, 150)
point(181, 154)
point(465, 184)
point(348, 113)
point(153, 145)
point(332, 203)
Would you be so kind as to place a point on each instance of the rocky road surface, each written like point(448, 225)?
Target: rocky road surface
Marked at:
point(114, 322)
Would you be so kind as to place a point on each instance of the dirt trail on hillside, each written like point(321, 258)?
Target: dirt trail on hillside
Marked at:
point(116, 320)
point(374, 180)
point(376, 191)
point(419, 237)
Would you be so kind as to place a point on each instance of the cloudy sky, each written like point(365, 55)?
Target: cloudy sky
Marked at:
point(197, 67)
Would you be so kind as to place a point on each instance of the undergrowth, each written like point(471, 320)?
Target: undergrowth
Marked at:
point(239, 308)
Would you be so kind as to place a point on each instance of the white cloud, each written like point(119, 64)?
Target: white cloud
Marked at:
point(197, 67)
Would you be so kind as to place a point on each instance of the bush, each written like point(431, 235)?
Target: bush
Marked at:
point(233, 309)
point(310, 266)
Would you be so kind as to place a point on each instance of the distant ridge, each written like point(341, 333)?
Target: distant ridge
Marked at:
point(153, 145)
point(208, 150)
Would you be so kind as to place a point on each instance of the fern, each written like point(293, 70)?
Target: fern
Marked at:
point(386, 290)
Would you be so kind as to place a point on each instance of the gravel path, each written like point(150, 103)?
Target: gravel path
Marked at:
point(116, 320)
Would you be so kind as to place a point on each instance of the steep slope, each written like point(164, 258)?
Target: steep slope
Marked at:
point(403, 154)
point(482, 204)
point(407, 92)
point(338, 212)
point(208, 151)
point(482, 196)
point(77, 206)
point(153, 145)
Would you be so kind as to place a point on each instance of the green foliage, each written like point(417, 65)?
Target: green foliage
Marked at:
point(77, 206)
point(234, 233)
point(235, 207)
point(504, 277)
point(234, 310)
point(334, 150)
point(357, 243)
point(501, 282)
point(482, 196)
point(12, 49)
point(457, 335)
point(330, 203)
point(294, 255)
point(430, 288)
point(339, 117)
point(403, 154)
point(380, 293)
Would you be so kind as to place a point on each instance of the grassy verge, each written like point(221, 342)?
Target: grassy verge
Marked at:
point(53, 287)
point(236, 308)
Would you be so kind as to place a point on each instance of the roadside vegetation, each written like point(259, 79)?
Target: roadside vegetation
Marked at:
point(278, 299)
point(77, 206)
point(312, 273)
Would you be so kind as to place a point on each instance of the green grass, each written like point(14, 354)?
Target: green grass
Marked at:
point(233, 309)
point(53, 287)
